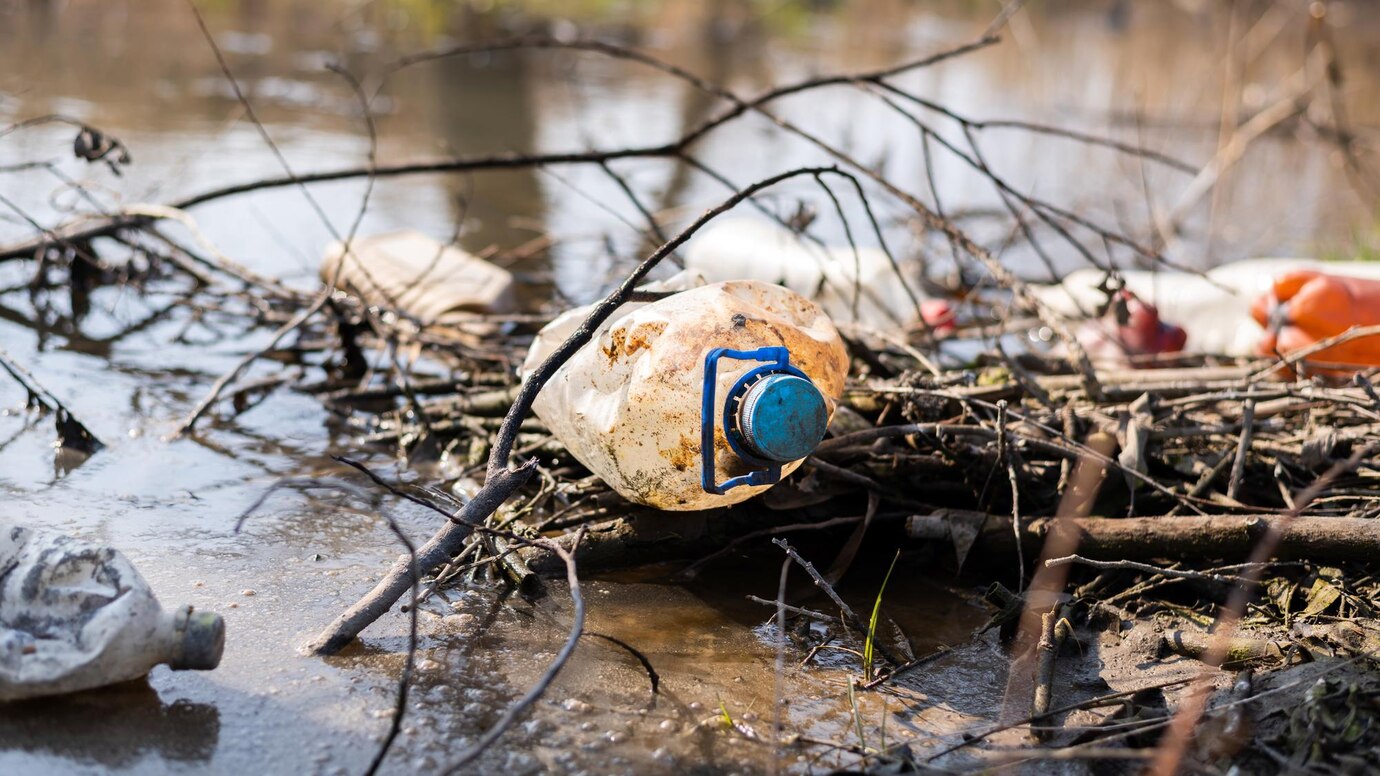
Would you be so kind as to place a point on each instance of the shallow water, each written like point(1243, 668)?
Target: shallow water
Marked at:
point(138, 71)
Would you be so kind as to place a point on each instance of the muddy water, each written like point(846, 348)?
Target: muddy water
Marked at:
point(133, 365)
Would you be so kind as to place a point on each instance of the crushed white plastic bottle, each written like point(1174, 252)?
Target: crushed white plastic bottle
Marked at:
point(628, 405)
point(75, 615)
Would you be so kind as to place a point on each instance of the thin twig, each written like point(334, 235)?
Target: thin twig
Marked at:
point(511, 714)
point(849, 615)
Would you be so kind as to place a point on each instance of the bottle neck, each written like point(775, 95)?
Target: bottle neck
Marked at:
point(191, 640)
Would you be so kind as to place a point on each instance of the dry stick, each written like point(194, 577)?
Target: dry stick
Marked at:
point(1131, 565)
point(1229, 154)
point(1204, 482)
point(1003, 459)
point(439, 549)
point(800, 610)
point(828, 589)
point(846, 475)
point(1243, 448)
point(1054, 630)
point(1158, 581)
point(852, 245)
point(1177, 738)
point(37, 394)
point(218, 261)
point(934, 191)
point(225, 379)
point(501, 481)
point(939, 652)
point(655, 228)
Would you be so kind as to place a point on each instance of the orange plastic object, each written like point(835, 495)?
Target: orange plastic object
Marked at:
point(1306, 306)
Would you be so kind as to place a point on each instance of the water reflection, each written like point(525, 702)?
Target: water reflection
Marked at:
point(1151, 73)
point(482, 105)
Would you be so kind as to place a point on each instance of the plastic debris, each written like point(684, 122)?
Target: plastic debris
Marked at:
point(631, 404)
point(1214, 308)
point(75, 615)
point(1305, 307)
point(1129, 329)
point(418, 276)
point(860, 287)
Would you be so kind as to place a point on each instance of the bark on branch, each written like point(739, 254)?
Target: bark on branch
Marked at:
point(1142, 538)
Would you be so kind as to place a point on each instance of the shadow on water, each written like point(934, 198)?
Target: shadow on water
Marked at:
point(78, 727)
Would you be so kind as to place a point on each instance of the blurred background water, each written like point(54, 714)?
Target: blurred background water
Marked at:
point(1162, 75)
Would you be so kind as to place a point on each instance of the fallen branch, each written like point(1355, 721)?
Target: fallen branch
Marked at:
point(1217, 536)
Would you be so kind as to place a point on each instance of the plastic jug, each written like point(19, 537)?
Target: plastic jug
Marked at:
point(834, 277)
point(74, 615)
point(702, 399)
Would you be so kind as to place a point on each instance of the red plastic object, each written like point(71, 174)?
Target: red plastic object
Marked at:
point(1130, 328)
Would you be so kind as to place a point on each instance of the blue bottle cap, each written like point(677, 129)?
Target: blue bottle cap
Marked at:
point(782, 418)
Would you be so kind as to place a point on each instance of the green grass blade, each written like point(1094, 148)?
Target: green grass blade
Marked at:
point(872, 624)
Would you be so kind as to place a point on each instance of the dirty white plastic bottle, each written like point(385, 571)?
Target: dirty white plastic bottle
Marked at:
point(74, 615)
point(701, 399)
point(860, 287)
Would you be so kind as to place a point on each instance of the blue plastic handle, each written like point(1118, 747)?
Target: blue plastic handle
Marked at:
point(774, 359)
